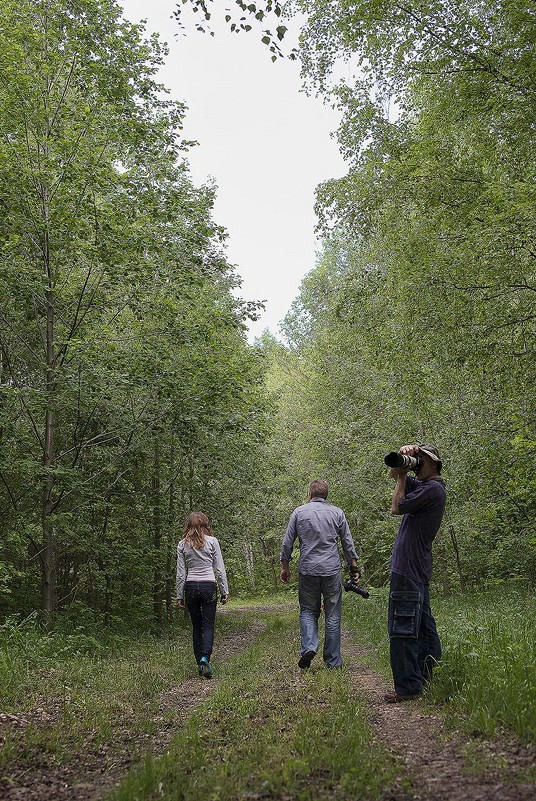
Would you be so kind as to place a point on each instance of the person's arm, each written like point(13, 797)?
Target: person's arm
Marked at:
point(349, 550)
point(181, 576)
point(399, 491)
point(286, 548)
point(219, 571)
point(401, 479)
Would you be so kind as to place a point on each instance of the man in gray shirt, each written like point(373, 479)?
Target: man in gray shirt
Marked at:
point(318, 526)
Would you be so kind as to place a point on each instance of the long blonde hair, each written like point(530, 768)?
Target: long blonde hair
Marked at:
point(196, 529)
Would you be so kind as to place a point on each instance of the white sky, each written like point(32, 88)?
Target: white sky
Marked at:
point(266, 144)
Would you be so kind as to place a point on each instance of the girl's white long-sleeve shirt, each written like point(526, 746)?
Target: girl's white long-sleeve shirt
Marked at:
point(200, 564)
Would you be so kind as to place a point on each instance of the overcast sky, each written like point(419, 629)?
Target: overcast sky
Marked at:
point(266, 144)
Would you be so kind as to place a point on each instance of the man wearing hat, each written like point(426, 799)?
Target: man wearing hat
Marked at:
point(414, 642)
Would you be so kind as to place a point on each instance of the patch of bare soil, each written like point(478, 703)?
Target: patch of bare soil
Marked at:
point(439, 766)
point(96, 768)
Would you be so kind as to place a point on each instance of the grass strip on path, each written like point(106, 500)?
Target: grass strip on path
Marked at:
point(269, 730)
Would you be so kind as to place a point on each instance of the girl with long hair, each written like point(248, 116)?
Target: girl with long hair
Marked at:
point(200, 570)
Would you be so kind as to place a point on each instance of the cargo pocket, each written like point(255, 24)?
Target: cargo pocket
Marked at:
point(404, 614)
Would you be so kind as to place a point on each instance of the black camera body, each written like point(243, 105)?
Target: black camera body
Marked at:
point(349, 585)
point(401, 461)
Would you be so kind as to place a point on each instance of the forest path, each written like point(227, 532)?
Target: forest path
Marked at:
point(89, 774)
point(436, 765)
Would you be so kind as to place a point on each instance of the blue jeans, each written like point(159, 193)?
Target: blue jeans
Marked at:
point(311, 591)
point(201, 598)
point(414, 642)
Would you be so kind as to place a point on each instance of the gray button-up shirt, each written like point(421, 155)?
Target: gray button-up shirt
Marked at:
point(318, 525)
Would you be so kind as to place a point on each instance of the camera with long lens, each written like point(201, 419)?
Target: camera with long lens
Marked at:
point(401, 461)
point(349, 585)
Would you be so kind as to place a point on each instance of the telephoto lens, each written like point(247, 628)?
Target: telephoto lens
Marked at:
point(356, 588)
point(396, 459)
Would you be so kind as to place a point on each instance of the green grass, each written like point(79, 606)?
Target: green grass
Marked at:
point(267, 730)
point(270, 731)
point(487, 677)
point(87, 686)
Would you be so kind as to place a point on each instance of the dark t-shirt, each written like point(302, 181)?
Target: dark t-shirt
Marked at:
point(422, 506)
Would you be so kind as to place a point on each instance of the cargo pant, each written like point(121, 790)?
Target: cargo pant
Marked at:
point(414, 642)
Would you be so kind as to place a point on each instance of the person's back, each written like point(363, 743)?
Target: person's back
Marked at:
point(318, 526)
point(200, 562)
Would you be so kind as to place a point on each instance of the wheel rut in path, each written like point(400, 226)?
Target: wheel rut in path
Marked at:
point(434, 766)
point(96, 769)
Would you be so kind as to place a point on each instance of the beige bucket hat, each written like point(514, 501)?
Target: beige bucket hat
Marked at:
point(432, 452)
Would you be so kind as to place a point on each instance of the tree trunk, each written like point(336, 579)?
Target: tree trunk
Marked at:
point(170, 538)
point(48, 555)
point(454, 541)
point(157, 534)
point(443, 564)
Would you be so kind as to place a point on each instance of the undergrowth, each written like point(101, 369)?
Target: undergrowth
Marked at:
point(267, 730)
point(69, 687)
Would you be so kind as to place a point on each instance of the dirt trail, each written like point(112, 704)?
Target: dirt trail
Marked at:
point(97, 769)
point(433, 760)
point(434, 766)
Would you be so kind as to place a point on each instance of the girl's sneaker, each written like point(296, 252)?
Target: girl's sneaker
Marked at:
point(205, 668)
point(200, 669)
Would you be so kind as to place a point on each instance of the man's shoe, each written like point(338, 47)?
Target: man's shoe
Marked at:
point(204, 664)
point(398, 698)
point(306, 659)
point(200, 669)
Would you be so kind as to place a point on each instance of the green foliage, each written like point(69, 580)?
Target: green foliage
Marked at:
point(418, 321)
point(489, 662)
point(128, 392)
point(27, 651)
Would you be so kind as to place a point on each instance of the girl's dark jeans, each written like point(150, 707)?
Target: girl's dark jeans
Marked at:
point(415, 645)
point(201, 598)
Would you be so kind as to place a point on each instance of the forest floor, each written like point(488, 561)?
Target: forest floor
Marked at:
point(433, 762)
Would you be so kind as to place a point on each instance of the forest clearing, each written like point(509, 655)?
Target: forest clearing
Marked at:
point(140, 724)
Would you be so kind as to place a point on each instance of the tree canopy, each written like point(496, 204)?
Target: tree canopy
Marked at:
point(126, 379)
point(129, 394)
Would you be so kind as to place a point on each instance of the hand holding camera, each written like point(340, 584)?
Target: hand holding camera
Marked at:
point(353, 587)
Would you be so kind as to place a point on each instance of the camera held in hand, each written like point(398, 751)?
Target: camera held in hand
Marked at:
point(350, 585)
point(402, 462)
